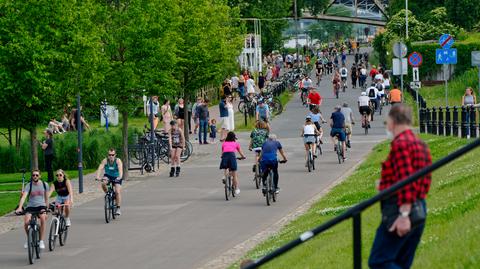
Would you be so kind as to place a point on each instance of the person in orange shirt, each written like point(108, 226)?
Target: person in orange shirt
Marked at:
point(395, 95)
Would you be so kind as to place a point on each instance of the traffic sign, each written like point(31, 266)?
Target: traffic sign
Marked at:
point(416, 74)
point(399, 49)
point(446, 41)
point(400, 67)
point(415, 84)
point(446, 56)
point(476, 58)
point(415, 59)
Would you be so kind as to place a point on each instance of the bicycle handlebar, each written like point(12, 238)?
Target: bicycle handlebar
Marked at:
point(241, 158)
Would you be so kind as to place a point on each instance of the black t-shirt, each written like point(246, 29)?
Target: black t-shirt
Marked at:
point(49, 149)
point(61, 188)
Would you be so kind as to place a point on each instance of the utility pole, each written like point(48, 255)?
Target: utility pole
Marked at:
point(296, 31)
point(406, 19)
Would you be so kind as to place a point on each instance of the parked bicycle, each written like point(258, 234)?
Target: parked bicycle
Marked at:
point(58, 226)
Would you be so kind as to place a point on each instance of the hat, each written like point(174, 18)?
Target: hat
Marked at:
point(364, 94)
point(261, 101)
point(308, 117)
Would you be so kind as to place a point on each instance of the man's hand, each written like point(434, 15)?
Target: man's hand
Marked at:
point(18, 210)
point(402, 225)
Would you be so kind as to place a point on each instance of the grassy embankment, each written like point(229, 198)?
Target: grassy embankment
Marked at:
point(451, 236)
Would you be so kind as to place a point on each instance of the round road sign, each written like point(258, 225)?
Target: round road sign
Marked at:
point(399, 50)
point(415, 59)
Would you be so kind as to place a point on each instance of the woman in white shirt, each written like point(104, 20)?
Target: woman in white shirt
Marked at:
point(309, 131)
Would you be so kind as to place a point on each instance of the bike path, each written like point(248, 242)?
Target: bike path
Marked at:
point(185, 222)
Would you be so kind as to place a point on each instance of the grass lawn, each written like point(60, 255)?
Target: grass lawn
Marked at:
point(435, 96)
point(9, 202)
point(450, 239)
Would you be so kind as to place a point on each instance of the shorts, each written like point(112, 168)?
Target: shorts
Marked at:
point(229, 161)
point(257, 150)
point(312, 106)
point(114, 180)
point(318, 125)
point(365, 109)
point(35, 209)
point(340, 132)
point(309, 139)
point(344, 79)
point(62, 199)
point(348, 128)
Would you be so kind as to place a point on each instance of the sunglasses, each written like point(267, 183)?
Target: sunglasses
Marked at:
point(111, 154)
point(35, 175)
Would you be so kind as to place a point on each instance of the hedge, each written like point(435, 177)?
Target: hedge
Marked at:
point(95, 146)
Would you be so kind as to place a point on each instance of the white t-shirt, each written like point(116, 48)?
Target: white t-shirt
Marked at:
point(363, 71)
point(368, 91)
point(343, 72)
point(386, 83)
point(250, 86)
point(363, 101)
point(309, 129)
point(347, 112)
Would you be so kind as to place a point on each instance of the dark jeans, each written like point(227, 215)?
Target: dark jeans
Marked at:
point(203, 129)
point(389, 251)
point(265, 167)
point(48, 167)
point(354, 82)
point(190, 121)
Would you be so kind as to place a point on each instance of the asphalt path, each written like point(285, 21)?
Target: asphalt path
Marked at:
point(185, 222)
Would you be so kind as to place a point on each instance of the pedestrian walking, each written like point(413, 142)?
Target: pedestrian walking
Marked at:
point(195, 115)
point(354, 75)
point(166, 115)
point(404, 213)
point(203, 117)
point(48, 151)
point(223, 118)
point(155, 108)
point(230, 121)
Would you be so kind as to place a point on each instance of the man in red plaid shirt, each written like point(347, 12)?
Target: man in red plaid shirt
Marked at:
point(395, 244)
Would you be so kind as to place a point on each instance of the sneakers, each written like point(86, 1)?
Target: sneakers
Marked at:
point(68, 222)
point(177, 171)
point(348, 144)
point(237, 191)
point(277, 190)
point(41, 244)
point(25, 245)
point(172, 171)
point(118, 212)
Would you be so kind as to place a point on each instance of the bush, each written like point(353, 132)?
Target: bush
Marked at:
point(95, 146)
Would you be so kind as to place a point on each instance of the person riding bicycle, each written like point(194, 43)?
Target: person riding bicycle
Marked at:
point(372, 93)
point(229, 160)
point(257, 137)
point(317, 119)
point(262, 111)
point(314, 99)
point(381, 90)
point(337, 122)
point(364, 107)
point(63, 187)
point(344, 75)
point(112, 170)
point(309, 131)
point(176, 142)
point(319, 69)
point(349, 121)
point(37, 193)
point(269, 161)
point(336, 82)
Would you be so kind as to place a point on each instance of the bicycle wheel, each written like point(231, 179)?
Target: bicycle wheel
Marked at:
point(336, 93)
point(313, 162)
point(339, 152)
point(241, 106)
point(113, 206)
point(257, 176)
point(31, 245)
point(274, 195)
point(108, 215)
point(187, 152)
point(227, 188)
point(37, 242)
point(268, 193)
point(309, 161)
point(52, 237)
point(63, 232)
point(232, 188)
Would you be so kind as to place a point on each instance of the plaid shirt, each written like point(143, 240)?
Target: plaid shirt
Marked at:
point(408, 154)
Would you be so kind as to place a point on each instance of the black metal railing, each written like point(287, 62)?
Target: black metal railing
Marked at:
point(457, 121)
point(356, 211)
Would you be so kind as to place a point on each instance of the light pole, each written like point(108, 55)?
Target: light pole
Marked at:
point(296, 31)
point(406, 19)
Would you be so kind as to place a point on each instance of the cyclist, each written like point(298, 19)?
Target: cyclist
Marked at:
point(309, 132)
point(337, 122)
point(176, 141)
point(268, 160)
point(319, 68)
point(395, 95)
point(317, 120)
point(262, 111)
point(349, 121)
point(112, 169)
point(344, 75)
point(372, 93)
point(37, 194)
point(258, 136)
point(229, 160)
point(363, 76)
point(364, 107)
point(336, 81)
point(63, 187)
point(381, 90)
point(314, 99)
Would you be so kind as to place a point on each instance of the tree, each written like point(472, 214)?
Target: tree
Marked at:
point(465, 13)
point(40, 45)
point(211, 41)
point(396, 27)
point(437, 23)
point(140, 38)
point(418, 7)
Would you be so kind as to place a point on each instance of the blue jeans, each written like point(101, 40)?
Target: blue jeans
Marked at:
point(389, 251)
point(202, 129)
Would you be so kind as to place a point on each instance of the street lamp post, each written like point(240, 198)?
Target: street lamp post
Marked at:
point(296, 31)
point(406, 19)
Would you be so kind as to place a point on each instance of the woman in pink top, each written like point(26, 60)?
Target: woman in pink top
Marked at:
point(229, 160)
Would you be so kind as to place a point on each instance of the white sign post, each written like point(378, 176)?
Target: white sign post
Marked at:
point(476, 62)
point(400, 63)
point(416, 75)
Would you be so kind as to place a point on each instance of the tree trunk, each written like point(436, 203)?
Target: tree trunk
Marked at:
point(10, 136)
point(18, 138)
point(125, 144)
point(33, 148)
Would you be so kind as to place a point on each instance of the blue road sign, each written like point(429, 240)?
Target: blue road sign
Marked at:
point(446, 41)
point(446, 56)
point(415, 59)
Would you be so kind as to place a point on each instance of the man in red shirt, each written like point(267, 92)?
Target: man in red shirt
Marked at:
point(373, 72)
point(314, 98)
point(396, 239)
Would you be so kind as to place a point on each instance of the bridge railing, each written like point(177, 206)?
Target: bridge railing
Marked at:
point(355, 212)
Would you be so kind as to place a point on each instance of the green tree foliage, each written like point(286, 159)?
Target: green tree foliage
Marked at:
point(437, 23)
point(313, 6)
point(465, 13)
point(418, 7)
point(396, 27)
point(42, 43)
point(329, 30)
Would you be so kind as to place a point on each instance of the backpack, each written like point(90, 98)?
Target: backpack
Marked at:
point(30, 190)
point(344, 72)
point(379, 87)
point(371, 92)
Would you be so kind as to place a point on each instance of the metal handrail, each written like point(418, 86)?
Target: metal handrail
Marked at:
point(355, 211)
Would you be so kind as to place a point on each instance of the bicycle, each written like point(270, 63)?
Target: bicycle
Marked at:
point(228, 184)
point(318, 150)
point(344, 84)
point(270, 191)
point(339, 149)
point(110, 204)
point(256, 171)
point(33, 236)
point(337, 89)
point(365, 122)
point(310, 158)
point(58, 226)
